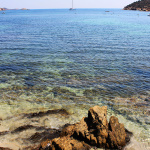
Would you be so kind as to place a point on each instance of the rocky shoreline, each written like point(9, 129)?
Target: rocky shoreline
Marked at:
point(91, 132)
point(141, 5)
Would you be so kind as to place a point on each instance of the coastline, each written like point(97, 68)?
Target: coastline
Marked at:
point(51, 74)
point(31, 132)
point(141, 5)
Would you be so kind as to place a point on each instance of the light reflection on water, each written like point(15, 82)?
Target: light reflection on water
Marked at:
point(60, 59)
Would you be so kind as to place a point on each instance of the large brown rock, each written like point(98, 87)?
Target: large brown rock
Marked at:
point(117, 134)
point(93, 130)
point(83, 133)
point(81, 128)
point(68, 143)
point(45, 145)
point(97, 117)
point(67, 130)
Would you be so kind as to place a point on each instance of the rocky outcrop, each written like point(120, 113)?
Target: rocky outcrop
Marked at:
point(2, 9)
point(141, 5)
point(116, 135)
point(91, 131)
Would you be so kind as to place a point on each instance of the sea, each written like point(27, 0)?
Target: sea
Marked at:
point(71, 60)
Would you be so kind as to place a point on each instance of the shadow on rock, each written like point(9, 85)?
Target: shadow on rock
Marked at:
point(91, 131)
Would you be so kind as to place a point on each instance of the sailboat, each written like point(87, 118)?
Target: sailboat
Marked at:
point(72, 6)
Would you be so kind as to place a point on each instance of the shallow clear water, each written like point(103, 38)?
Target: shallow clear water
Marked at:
point(76, 59)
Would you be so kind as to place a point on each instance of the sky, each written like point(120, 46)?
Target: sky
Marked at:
point(49, 4)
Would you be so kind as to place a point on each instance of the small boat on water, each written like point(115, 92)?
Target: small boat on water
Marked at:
point(72, 6)
point(148, 15)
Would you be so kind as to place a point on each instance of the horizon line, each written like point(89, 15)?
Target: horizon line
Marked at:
point(57, 8)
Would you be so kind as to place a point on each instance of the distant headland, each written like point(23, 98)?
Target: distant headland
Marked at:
point(141, 5)
point(3, 9)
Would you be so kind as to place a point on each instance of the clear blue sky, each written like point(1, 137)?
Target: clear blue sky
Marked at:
point(46, 4)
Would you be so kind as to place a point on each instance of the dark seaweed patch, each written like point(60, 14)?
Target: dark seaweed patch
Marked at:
point(22, 128)
point(4, 132)
point(3, 80)
point(60, 91)
point(29, 84)
point(48, 134)
point(2, 148)
point(49, 112)
point(12, 67)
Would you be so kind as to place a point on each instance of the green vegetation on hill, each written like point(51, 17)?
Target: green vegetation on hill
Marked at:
point(142, 5)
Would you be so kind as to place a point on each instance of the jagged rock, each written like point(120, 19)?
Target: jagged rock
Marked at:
point(68, 143)
point(98, 115)
point(67, 130)
point(117, 134)
point(81, 128)
point(45, 145)
point(93, 130)
point(98, 118)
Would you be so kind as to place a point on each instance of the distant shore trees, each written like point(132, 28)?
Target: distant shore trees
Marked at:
point(142, 5)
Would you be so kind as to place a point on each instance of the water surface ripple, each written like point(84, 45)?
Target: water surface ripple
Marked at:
point(76, 59)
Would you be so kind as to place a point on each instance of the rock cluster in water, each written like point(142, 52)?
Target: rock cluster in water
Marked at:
point(91, 131)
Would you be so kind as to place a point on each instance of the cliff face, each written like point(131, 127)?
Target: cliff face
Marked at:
point(142, 5)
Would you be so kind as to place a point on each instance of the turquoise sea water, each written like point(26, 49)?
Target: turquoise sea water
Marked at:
point(76, 59)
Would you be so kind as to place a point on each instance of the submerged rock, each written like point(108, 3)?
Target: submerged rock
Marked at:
point(41, 136)
point(41, 113)
point(22, 128)
point(91, 92)
point(61, 91)
point(2, 148)
point(4, 132)
point(91, 131)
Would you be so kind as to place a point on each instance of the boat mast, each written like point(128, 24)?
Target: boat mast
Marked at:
point(72, 4)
